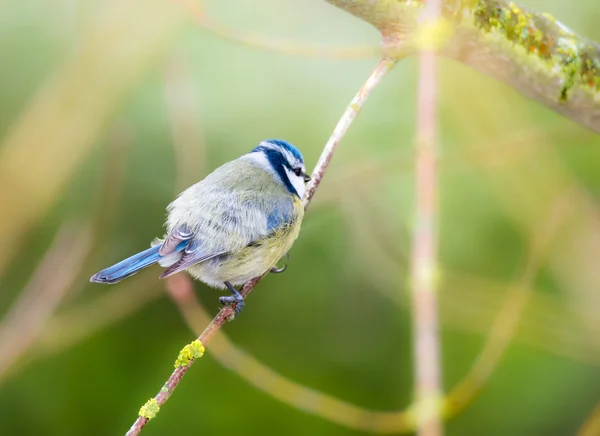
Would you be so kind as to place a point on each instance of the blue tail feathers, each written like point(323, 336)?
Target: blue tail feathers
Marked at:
point(131, 265)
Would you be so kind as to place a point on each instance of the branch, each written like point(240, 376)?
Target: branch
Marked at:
point(195, 350)
point(527, 50)
point(277, 45)
point(47, 288)
point(427, 365)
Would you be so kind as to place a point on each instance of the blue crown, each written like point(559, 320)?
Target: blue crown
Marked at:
point(283, 145)
point(287, 146)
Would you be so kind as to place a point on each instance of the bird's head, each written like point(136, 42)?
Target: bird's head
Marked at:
point(283, 160)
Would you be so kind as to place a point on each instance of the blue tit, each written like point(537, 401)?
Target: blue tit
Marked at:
point(233, 226)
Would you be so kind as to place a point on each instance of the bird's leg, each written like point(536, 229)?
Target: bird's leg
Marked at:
point(235, 299)
point(276, 270)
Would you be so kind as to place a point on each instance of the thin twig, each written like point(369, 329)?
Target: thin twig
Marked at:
point(227, 313)
point(427, 365)
point(278, 45)
point(49, 285)
point(384, 66)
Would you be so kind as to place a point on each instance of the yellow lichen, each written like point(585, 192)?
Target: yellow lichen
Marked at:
point(553, 46)
point(191, 351)
point(513, 7)
point(150, 409)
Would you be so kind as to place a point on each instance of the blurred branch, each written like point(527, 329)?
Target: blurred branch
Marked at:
point(188, 141)
point(118, 145)
point(468, 302)
point(108, 195)
point(526, 190)
point(227, 313)
point(427, 361)
point(65, 329)
point(286, 46)
point(48, 286)
point(70, 327)
point(62, 122)
point(46, 341)
point(507, 320)
point(529, 51)
point(74, 325)
point(549, 325)
point(355, 417)
point(495, 152)
point(591, 427)
point(264, 378)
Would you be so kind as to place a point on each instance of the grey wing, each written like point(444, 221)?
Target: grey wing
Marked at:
point(174, 239)
point(192, 255)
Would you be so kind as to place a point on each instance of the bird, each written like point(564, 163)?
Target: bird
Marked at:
point(232, 226)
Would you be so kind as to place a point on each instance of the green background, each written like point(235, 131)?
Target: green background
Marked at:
point(339, 319)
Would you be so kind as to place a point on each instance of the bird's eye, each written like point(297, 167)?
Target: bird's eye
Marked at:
point(298, 171)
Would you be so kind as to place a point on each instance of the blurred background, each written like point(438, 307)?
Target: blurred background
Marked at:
point(108, 109)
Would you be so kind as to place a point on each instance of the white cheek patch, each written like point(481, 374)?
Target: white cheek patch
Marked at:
point(297, 182)
point(259, 159)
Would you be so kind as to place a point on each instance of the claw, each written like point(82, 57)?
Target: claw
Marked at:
point(235, 300)
point(276, 270)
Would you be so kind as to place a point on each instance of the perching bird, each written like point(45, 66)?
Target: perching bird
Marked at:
point(232, 226)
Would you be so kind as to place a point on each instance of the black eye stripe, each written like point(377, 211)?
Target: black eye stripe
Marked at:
point(279, 164)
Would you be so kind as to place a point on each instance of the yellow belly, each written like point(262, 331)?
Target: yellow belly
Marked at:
point(253, 260)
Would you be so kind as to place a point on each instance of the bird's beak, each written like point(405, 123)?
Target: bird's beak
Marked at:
point(306, 177)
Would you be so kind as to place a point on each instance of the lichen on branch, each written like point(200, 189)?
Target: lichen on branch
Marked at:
point(150, 409)
point(191, 351)
point(574, 60)
point(528, 50)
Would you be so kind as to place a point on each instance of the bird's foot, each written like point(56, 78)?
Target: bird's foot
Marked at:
point(235, 300)
point(276, 270)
